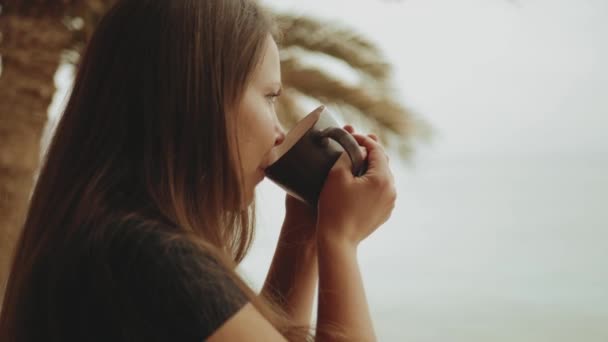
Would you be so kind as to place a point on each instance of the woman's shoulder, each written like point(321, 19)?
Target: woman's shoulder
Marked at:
point(149, 271)
point(133, 242)
point(126, 233)
point(129, 228)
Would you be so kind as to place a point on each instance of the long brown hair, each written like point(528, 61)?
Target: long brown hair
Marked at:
point(148, 132)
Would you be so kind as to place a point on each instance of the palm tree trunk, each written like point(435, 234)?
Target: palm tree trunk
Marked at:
point(31, 49)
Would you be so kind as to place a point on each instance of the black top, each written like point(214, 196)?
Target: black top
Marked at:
point(134, 284)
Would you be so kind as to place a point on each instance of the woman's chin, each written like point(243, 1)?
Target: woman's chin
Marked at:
point(253, 182)
point(248, 198)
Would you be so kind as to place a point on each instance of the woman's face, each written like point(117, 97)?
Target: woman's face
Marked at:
point(258, 128)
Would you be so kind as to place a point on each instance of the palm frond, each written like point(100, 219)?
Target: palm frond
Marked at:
point(375, 111)
point(319, 84)
point(333, 40)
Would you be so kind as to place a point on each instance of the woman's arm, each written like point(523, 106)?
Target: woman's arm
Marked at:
point(342, 301)
point(240, 326)
point(350, 209)
point(292, 277)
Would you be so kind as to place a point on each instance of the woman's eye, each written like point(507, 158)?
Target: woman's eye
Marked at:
point(273, 97)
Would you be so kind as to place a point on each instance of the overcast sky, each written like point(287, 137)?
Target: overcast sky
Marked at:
point(494, 77)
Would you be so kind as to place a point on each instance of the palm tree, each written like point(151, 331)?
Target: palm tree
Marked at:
point(38, 35)
point(31, 46)
point(307, 45)
point(34, 36)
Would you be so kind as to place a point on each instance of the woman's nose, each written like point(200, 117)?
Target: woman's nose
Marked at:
point(280, 135)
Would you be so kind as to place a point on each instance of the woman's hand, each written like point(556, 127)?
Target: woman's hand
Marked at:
point(300, 220)
point(351, 208)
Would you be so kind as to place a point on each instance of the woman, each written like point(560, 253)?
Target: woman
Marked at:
point(143, 207)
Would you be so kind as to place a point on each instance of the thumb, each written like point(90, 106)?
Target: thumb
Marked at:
point(375, 153)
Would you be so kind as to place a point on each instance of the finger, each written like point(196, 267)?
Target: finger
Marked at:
point(375, 153)
point(375, 138)
point(350, 129)
point(363, 152)
point(390, 171)
point(391, 175)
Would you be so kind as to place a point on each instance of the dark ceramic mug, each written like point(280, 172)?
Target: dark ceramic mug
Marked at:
point(303, 161)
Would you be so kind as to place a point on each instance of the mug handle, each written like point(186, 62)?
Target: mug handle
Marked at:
point(350, 145)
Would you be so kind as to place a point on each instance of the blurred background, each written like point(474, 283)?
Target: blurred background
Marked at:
point(495, 115)
point(500, 232)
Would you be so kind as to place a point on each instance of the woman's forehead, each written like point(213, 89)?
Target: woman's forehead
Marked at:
point(270, 64)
